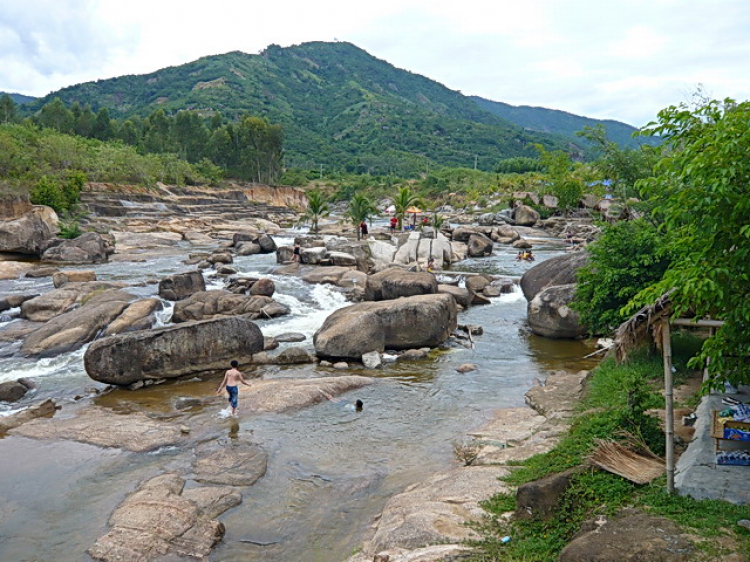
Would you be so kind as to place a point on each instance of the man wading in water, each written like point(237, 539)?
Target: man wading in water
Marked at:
point(232, 378)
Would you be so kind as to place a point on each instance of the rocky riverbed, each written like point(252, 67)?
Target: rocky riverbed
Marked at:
point(165, 457)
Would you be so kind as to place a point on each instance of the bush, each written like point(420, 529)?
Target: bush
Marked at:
point(628, 257)
point(47, 192)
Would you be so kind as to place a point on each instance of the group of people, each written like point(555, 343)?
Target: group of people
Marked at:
point(525, 255)
point(233, 378)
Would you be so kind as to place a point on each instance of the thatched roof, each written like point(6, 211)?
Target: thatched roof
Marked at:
point(643, 327)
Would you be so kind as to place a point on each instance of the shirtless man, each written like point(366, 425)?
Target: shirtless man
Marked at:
point(232, 378)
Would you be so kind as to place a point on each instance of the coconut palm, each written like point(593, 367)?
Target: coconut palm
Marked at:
point(403, 200)
point(317, 208)
point(360, 209)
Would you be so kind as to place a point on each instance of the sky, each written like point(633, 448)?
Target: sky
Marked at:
point(608, 59)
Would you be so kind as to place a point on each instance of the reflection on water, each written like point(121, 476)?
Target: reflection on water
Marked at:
point(330, 471)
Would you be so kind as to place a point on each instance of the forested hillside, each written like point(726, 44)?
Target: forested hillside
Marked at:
point(339, 107)
point(562, 122)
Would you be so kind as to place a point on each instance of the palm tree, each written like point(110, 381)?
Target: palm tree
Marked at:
point(360, 209)
point(403, 200)
point(317, 208)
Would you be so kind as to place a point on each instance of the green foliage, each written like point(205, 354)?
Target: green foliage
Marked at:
point(8, 109)
point(519, 165)
point(701, 192)
point(317, 208)
point(622, 166)
point(562, 183)
point(360, 209)
point(628, 257)
point(48, 192)
point(27, 154)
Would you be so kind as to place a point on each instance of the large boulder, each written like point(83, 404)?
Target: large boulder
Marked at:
point(463, 297)
point(415, 248)
point(137, 316)
point(630, 536)
point(525, 216)
point(174, 351)
point(218, 303)
point(29, 232)
point(541, 499)
point(181, 286)
point(560, 270)
point(549, 313)
point(266, 243)
point(57, 301)
point(264, 287)
point(394, 283)
point(479, 246)
point(313, 256)
point(61, 277)
point(90, 247)
point(13, 391)
point(71, 330)
point(359, 251)
point(463, 233)
point(411, 322)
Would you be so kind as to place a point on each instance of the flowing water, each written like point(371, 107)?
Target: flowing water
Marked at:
point(330, 471)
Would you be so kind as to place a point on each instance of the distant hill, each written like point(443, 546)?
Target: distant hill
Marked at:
point(339, 107)
point(19, 98)
point(561, 122)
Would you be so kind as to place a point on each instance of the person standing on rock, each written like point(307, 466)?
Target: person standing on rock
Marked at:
point(363, 229)
point(296, 253)
point(232, 379)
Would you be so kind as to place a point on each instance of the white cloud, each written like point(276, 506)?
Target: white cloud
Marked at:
point(621, 60)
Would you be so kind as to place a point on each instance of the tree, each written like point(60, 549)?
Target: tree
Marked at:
point(404, 199)
point(622, 166)
point(103, 129)
point(701, 193)
point(317, 208)
point(55, 115)
point(628, 257)
point(8, 109)
point(563, 184)
point(360, 209)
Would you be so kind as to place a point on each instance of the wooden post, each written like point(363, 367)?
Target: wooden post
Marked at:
point(669, 400)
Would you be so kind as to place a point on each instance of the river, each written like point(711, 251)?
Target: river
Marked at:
point(330, 471)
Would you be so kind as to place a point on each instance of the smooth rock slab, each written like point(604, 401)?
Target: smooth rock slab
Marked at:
point(160, 522)
point(134, 432)
point(230, 463)
point(436, 510)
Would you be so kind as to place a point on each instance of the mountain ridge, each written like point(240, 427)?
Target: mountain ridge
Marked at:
point(338, 105)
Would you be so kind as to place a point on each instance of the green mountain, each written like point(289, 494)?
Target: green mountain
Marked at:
point(338, 106)
point(19, 98)
point(561, 122)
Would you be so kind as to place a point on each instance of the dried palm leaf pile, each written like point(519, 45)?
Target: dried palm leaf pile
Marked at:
point(640, 466)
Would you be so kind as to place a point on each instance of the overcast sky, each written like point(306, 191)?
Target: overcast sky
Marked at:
point(615, 59)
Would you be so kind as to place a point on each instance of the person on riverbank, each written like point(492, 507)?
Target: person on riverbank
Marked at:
point(296, 253)
point(232, 379)
point(394, 222)
point(363, 229)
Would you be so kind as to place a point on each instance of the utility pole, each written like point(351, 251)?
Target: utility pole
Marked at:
point(475, 161)
point(321, 171)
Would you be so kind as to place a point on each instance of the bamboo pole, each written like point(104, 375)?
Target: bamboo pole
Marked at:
point(669, 401)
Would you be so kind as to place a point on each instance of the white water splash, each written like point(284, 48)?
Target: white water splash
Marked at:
point(515, 296)
point(164, 316)
point(66, 365)
point(310, 305)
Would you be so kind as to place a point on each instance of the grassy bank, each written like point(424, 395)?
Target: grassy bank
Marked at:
point(619, 398)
